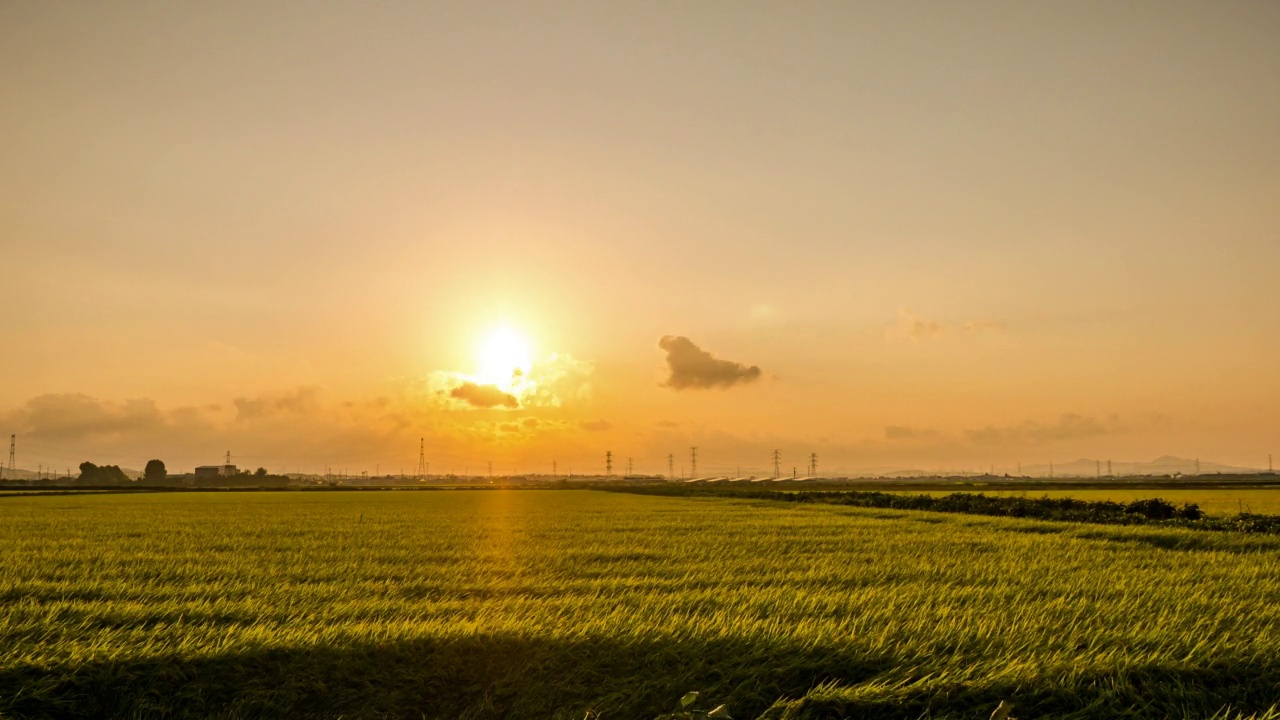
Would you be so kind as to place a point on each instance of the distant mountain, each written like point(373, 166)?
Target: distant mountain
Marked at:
point(1163, 465)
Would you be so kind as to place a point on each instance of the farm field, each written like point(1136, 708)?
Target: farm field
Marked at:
point(1217, 502)
point(574, 604)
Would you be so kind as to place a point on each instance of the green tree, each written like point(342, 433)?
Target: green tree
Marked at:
point(260, 472)
point(155, 471)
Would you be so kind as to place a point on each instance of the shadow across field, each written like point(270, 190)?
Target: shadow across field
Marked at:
point(468, 677)
point(509, 677)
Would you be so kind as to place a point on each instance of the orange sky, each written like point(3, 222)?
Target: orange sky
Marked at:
point(948, 235)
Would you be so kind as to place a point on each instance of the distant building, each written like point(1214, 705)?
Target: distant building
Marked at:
point(215, 471)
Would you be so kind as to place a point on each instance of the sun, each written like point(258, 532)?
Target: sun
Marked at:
point(505, 359)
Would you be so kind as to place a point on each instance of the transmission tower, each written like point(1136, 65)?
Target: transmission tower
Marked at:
point(608, 462)
point(1109, 473)
point(553, 468)
point(813, 464)
point(228, 460)
point(1097, 467)
point(1197, 466)
point(629, 466)
point(671, 466)
point(777, 464)
point(1270, 468)
point(693, 462)
point(422, 458)
point(13, 444)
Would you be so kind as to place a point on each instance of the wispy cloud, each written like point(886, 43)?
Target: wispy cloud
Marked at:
point(298, 400)
point(1067, 427)
point(910, 327)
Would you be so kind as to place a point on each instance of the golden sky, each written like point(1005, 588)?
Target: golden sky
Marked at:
point(918, 235)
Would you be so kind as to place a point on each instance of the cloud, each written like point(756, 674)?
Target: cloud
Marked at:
point(899, 432)
point(552, 382)
point(912, 328)
point(916, 329)
point(694, 368)
point(596, 425)
point(984, 326)
point(484, 396)
point(75, 415)
point(299, 400)
point(1067, 427)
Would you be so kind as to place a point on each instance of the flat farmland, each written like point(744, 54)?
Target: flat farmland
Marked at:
point(576, 604)
point(1218, 502)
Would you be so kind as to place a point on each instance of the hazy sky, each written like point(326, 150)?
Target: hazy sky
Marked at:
point(940, 235)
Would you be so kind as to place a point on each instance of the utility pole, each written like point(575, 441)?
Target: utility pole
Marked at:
point(693, 462)
point(777, 464)
point(608, 463)
point(671, 466)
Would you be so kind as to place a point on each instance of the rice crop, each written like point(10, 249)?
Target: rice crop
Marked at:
point(577, 604)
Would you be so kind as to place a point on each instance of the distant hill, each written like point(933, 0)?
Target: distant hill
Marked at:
point(1163, 465)
point(24, 474)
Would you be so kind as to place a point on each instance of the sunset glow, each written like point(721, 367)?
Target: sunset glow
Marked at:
point(505, 359)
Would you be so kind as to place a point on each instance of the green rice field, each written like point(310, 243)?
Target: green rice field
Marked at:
point(583, 604)
point(1219, 502)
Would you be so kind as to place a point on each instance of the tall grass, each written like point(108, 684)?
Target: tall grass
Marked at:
point(512, 604)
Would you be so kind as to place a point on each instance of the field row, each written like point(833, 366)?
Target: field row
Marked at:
point(553, 604)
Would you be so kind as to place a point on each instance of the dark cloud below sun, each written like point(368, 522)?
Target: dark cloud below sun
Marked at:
point(484, 396)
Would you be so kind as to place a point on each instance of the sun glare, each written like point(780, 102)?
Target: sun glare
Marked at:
point(505, 359)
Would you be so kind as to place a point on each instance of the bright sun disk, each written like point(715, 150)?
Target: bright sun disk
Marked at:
point(505, 358)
